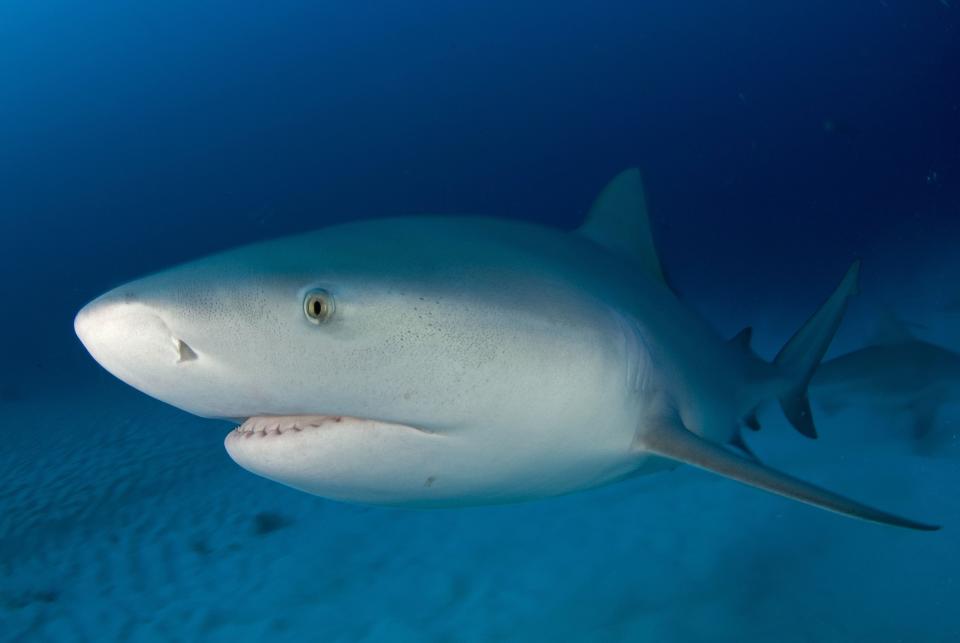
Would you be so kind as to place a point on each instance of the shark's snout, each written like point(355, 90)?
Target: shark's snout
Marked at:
point(128, 337)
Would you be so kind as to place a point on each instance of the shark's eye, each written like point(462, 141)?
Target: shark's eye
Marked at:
point(318, 306)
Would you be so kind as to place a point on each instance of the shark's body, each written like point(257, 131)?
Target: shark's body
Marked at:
point(435, 361)
point(897, 373)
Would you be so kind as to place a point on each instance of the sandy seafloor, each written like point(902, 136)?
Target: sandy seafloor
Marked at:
point(123, 519)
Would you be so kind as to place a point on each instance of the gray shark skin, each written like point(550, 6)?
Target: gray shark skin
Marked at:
point(897, 373)
point(448, 361)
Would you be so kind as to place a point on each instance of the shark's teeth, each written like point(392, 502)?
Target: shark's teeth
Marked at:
point(274, 425)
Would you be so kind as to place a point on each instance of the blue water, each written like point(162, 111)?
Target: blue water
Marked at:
point(778, 141)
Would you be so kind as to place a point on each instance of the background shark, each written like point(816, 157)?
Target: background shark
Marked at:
point(896, 373)
point(437, 361)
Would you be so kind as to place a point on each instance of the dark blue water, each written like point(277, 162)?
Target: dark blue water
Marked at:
point(778, 141)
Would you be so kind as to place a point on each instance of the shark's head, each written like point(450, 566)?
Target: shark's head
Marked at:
point(378, 362)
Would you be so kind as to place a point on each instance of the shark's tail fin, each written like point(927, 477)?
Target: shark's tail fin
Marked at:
point(801, 355)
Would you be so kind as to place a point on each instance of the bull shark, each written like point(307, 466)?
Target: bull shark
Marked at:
point(896, 372)
point(435, 361)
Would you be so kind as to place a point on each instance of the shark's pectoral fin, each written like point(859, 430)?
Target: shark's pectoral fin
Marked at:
point(668, 438)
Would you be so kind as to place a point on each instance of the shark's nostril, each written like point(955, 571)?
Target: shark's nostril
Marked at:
point(184, 352)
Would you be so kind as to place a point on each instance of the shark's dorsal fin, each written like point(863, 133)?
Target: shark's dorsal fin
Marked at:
point(668, 438)
point(618, 220)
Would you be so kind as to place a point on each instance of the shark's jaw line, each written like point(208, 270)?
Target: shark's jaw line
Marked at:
point(267, 426)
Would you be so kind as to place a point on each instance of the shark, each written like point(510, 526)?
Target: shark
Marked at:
point(437, 361)
point(896, 372)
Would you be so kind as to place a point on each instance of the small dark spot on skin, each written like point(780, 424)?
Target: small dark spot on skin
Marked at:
point(338, 419)
point(267, 522)
point(429, 481)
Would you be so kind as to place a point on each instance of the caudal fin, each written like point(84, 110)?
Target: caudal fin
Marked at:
point(801, 355)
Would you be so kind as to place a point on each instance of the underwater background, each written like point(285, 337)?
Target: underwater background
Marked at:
point(778, 142)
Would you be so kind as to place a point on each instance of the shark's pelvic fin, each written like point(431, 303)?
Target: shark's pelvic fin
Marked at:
point(741, 444)
point(618, 220)
point(668, 438)
point(798, 359)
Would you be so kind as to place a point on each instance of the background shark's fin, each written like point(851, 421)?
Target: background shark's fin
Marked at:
point(743, 338)
point(890, 329)
point(669, 439)
point(618, 220)
point(798, 359)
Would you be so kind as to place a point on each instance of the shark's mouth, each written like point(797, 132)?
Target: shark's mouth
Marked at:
point(264, 426)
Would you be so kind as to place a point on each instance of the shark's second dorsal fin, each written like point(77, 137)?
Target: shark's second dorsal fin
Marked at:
point(618, 220)
point(668, 438)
